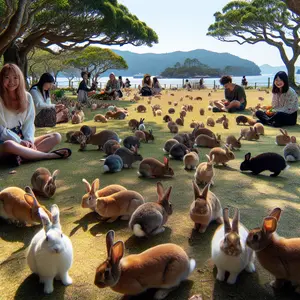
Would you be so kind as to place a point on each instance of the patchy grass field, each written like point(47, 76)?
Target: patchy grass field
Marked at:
point(253, 195)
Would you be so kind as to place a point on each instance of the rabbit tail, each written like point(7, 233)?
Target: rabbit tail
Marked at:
point(105, 168)
point(192, 265)
point(138, 231)
point(290, 158)
point(286, 168)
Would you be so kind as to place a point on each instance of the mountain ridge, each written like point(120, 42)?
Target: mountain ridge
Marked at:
point(267, 69)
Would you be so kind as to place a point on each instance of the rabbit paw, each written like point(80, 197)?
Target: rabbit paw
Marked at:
point(202, 228)
point(221, 275)
point(161, 294)
point(157, 231)
point(232, 278)
point(125, 218)
point(48, 286)
point(250, 268)
point(66, 279)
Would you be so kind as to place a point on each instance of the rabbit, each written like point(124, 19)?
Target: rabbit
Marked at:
point(100, 118)
point(69, 137)
point(110, 147)
point(194, 124)
point(121, 204)
point(93, 106)
point(229, 251)
point(260, 129)
point(131, 141)
point(210, 122)
point(159, 112)
point(100, 138)
point(203, 140)
point(205, 172)
point(268, 161)
point(118, 115)
point(129, 157)
point(221, 156)
point(197, 131)
point(149, 218)
point(178, 151)
point(171, 110)
point(170, 124)
point(202, 111)
point(233, 143)
point(174, 129)
point(113, 163)
point(92, 192)
point(76, 118)
point(20, 207)
point(50, 253)
point(149, 135)
point(180, 121)
point(284, 139)
point(43, 183)
point(245, 120)
point(249, 134)
point(221, 119)
point(205, 208)
point(182, 114)
point(185, 138)
point(88, 130)
point(168, 145)
point(162, 267)
point(153, 168)
point(167, 118)
point(276, 254)
point(225, 124)
point(141, 125)
point(191, 160)
point(291, 151)
point(140, 135)
point(133, 124)
point(141, 108)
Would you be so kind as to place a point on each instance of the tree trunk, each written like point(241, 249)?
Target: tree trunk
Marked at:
point(16, 56)
point(291, 74)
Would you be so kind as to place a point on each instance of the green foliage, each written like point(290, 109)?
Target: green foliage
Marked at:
point(59, 93)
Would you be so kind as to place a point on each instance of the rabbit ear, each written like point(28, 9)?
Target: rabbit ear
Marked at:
point(248, 156)
point(282, 131)
point(166, 196)
point(239, 138)
point(269, 224)
point(55, 215)
point(55, 174)
point(205, 191)
point(208, 158)
point(276, 212)
point(227, 226)
point(28, 190)
point(197, 192)
point(109, 242)
point(117, 252)
point(166, 161)
point(95, 185)
point(45, 219)
point(235, 221)
point(160, 190)
point(87, 185)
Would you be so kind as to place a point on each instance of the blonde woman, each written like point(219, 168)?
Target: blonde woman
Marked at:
point(17, 129)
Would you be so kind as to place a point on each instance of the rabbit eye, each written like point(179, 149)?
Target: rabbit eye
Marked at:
point(255, 237)
point(106, 273)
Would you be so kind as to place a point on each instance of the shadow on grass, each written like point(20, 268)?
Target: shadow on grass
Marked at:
point(31, 289)
point(85, 221)
point(103, 227)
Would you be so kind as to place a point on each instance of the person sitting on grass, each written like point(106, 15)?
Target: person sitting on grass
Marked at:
point(17, 141)
point(187, 85)
point(112, 88)
point(47, 114)
point(146, 89)
point(84, 92)
point(156, 87)
point(284, 104)
point(235, 97)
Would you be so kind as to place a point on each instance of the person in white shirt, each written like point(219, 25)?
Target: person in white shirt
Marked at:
point(47, 114)
point(17, 129)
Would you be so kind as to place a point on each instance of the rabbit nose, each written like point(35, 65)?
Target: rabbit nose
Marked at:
point(56, 250)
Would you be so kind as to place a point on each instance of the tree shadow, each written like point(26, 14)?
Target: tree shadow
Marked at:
point(85, 221)
point(103, 227)
point(31, 289)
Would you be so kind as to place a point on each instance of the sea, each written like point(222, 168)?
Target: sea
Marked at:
point(253, 81)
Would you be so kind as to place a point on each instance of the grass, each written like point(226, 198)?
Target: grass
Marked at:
point(253, 195)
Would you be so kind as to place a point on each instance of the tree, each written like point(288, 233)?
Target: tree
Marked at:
point(97, 60)
point(188, 63)
point(66, 25)
point(256, 21)
point(177, 65)
point(71, 73)
point(293, 5)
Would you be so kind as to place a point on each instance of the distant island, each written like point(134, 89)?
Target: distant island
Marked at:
point(267, 69)
point(155, 64)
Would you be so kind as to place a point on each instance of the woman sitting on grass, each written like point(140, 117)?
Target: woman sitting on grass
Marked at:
point(156, 87)
point(47, 114)
point(284, 104)
point(17, 141)
point(112, 88)
point(235, 97)
point(84, 92)
point(146, 89)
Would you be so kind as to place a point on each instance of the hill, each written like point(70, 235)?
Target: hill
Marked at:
point(155, 63)
point(267, 69)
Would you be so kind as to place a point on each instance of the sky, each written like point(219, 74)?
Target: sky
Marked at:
point(182, 26)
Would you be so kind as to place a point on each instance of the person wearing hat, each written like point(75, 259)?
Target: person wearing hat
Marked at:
point(83, 90)
point(146, 89)
point(47, 114)
point(113, 87)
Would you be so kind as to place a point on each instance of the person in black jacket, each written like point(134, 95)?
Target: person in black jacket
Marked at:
point(83, 90)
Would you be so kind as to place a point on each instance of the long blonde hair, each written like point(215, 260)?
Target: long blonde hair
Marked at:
point(20, 91)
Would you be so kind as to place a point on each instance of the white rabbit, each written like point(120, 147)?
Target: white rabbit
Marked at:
point(229, 250)
point(50, 253)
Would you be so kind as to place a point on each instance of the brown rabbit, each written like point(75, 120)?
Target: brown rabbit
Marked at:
point(121, 204)
point(191, 160)
point(43, 183)
point(76, 118)
point(194, 124)
point(205, 208)
point(205, 172)
point(245, 120)
point(169, 144)
point(221, 119)
point(249, 134)
point(167, 118)
point(283, 139)
point(174, 129)
point(100, 138)
point(170, 124)
point(133, 124)
point(168, 262)
point(210, 122)
point(171, 110)
point(260, 128)
point(153, 168)
point(141, 108)
point(225, 124)
point(198, 130)
point(233, 143)
point(182, 114)
point(20, 206)
point(221, 156)
point(93, 192)
point(180, 121)
point(202, 111)
point(110, 147)
point(100, 118)
point(118, 115)
point(148, 135)
point(278, 255)
point(203, 140)
point(140, 135)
